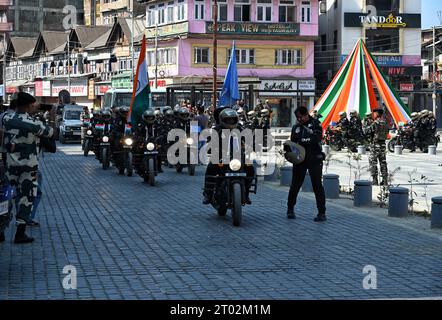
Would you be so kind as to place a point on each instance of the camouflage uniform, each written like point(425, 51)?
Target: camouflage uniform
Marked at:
point(377, 133)
point(21, 141)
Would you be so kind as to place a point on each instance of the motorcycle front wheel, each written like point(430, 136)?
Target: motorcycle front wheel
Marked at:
point(86, 148)
point(191, 169)
point(105, 158)
point(237, 205)
point(391, 144)
point(129, 164)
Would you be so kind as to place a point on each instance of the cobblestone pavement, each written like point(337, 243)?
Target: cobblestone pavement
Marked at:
point(128, 240)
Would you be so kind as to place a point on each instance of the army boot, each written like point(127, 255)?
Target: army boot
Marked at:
point(291, 214)
point(21, 236)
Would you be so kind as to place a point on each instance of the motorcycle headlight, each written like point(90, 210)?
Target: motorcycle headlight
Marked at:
point(128, 141)
point(189, 141)
point(89, 132)
point(235, 165)
point(105, 139)
point(150, 146)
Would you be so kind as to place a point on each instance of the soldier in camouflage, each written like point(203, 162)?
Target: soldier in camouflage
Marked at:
point(377, 134)
point(21, 139)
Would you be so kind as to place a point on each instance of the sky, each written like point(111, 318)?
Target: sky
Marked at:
point(429, 13)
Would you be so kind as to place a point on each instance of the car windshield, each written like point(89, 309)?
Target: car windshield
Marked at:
point(72, 115)
point(123, 100)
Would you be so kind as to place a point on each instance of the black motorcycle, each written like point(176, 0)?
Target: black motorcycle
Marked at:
point(191, 147)
point(150, 161)
point(334, 139)
point(123, 156)
point(404, 138)
point(88, 142)
point(229, 190)
point(104, 151)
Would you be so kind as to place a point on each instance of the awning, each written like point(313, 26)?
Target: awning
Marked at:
point(16, 84)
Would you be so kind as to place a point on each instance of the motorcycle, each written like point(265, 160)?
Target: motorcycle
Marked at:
point(229, 190)
point(124, 157)
point(403, 137)
point(88, 142)
point(334, 139)
point(150, 162)
point(191, 167)
point(104, 151)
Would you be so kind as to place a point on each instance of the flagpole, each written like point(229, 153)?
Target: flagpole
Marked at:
point(215, 48)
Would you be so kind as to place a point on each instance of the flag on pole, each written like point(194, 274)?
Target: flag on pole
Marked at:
point(230, 91)
point(141, 89)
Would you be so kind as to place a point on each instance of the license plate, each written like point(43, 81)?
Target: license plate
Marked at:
point(151, 152)
point(127, 147)
point(4, 207)
point(77, 133)
point(104, 144)
point(240, 174)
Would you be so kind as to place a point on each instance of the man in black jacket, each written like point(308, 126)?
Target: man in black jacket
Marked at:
point(308, 133)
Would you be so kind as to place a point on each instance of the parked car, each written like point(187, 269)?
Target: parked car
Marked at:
point(69, 123)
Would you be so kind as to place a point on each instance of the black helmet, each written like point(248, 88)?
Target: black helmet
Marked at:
point(184, 114)
point(123, 111)
point(106, 114)
point(228, 118)
point(176, 110)
point(149, 116)
point(95, 112)
point(169, 114)
point(294, 153)
point(166, 108)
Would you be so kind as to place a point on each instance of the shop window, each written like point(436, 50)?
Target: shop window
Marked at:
point(382, 41)
point(306, 12)
point(288, 57)
point(287, 11)
point(264, 11)
point(202, 55)
point(199, 9)
point(241, 10)
point(243, 56)
point(384, 5)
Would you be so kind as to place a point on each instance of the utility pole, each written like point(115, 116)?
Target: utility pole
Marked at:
point(132, 42)
point(4, 67)
point(215, 48)
point(69, 64)
point(156, 55)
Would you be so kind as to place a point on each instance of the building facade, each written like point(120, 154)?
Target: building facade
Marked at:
point(104, 12)
point(42, 67)
point(30, 17)
point(274, 48)
point(390, 28)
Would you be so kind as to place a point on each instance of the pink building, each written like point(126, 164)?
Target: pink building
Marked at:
point(274, 42)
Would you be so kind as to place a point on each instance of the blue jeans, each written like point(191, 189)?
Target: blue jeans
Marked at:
point(39, 194)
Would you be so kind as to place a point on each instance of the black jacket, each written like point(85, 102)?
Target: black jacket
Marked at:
point(309, 136)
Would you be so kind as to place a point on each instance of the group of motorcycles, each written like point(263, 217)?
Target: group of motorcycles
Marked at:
point(420, 133)
point(143, 150)
point(115, 142)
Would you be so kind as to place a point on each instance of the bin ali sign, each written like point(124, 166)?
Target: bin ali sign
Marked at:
point(382, 21)
point(255, 28)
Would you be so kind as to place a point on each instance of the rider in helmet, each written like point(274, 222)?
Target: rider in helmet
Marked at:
point(225, 118)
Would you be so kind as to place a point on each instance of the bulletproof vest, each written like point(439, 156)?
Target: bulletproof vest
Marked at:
point(381, 130)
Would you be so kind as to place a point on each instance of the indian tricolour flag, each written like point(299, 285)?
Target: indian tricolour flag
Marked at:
point(141, 89)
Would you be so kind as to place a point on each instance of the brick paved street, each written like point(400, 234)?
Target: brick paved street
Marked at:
point(128, 240)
